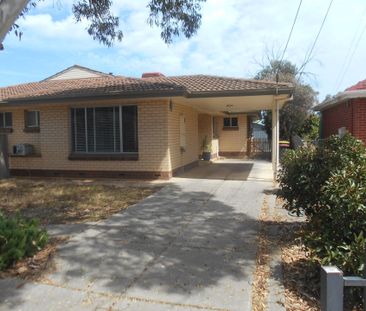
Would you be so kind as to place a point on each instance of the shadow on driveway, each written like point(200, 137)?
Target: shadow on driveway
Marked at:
point(190, 243)
point(220, 170)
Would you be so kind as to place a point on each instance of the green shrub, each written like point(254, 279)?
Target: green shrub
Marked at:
point(295, 176)
point(19, 238)
point(328, 182)
point(305, 171)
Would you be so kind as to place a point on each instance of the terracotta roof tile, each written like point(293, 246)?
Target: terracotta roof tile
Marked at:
point(117, 85)
point(358, 86)
point(85, 87)
point(206, 83)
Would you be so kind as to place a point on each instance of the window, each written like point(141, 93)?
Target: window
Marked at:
point(32, 119)
point(6, 120)
point(104, 129)
point(231, 122)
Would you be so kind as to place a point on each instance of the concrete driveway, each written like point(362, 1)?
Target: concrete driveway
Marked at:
point(232, 169)
point(190, 246)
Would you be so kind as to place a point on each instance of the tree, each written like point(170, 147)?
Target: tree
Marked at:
point(294, 114)
point(311, 127)
point(9, 12)
point(174, 17)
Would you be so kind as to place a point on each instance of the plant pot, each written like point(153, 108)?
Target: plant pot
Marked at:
point(206, 155)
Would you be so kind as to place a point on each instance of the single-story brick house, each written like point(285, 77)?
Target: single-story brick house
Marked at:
point(345, 111)
point(82, 122)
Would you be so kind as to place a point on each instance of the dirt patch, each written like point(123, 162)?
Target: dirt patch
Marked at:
point(262, 270)
point(59, 202)
point(33, 268)
point(301, 275)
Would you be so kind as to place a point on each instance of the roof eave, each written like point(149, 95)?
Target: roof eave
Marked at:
point(339, 98)
point(256, 92)
point(151, 94)
point(129, 95)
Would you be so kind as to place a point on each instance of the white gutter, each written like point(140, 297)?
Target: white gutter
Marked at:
point(340, 97)
point(282, 100)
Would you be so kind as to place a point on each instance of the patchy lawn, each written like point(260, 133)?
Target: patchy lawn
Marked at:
point(56, 201)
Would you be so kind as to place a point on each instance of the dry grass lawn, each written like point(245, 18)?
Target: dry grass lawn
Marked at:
point(56, 201)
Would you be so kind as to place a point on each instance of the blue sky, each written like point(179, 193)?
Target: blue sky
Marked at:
point(232, 41)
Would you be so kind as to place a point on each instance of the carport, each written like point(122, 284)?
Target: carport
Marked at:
point(216, 109)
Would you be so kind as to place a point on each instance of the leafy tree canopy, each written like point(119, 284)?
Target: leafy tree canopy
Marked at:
point(295, 113)
point(174, 17)
point(311, 127)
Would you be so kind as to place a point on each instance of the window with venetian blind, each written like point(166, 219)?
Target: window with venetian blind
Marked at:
point(104, 130)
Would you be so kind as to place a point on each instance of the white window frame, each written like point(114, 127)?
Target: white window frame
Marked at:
point(37, 118)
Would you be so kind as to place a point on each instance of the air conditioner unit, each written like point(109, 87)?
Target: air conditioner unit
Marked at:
point(22, 149)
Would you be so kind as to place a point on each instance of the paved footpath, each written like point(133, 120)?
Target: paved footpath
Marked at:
point(190, 246)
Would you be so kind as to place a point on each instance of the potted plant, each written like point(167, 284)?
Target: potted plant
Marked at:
point(206, 149)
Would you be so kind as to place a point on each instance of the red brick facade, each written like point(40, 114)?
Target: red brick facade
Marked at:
point(359, 124)
point(350, 114)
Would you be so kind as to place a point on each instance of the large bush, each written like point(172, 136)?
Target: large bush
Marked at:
point(328, 183)
point(19, 238)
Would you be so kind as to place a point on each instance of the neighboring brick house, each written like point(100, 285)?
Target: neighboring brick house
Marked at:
point(345, 111)
point(82, 122)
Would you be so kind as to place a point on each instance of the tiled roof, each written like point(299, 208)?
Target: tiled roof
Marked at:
point(355, 91)
point(204, 83)
point(358, 86)
point(111, 85)
point(197, 85)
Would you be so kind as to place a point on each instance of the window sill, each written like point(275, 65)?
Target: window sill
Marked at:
point(6, 130)
point(104, 157)
point(231, 128)
point(31, 130)
point(34, 155)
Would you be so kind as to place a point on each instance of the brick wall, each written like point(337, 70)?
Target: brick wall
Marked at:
point(335, 118)
point(204, 129)
point(158, 134)
point(54, 142)
point(350, 114)
point(18, 135)
point(234, 141)
point(359, 121)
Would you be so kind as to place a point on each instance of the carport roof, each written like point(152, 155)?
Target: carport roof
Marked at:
point(207, 85)
point(195, 86)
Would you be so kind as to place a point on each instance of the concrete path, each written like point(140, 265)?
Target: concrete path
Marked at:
point(190, 246)
point(232, 169)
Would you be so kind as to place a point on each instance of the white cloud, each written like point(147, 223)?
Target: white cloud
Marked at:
point(233, 35)
point(42, 33)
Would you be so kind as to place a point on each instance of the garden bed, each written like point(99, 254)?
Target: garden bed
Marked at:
point(32, 268)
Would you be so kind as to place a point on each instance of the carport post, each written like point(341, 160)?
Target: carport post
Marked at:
point(275, 137)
